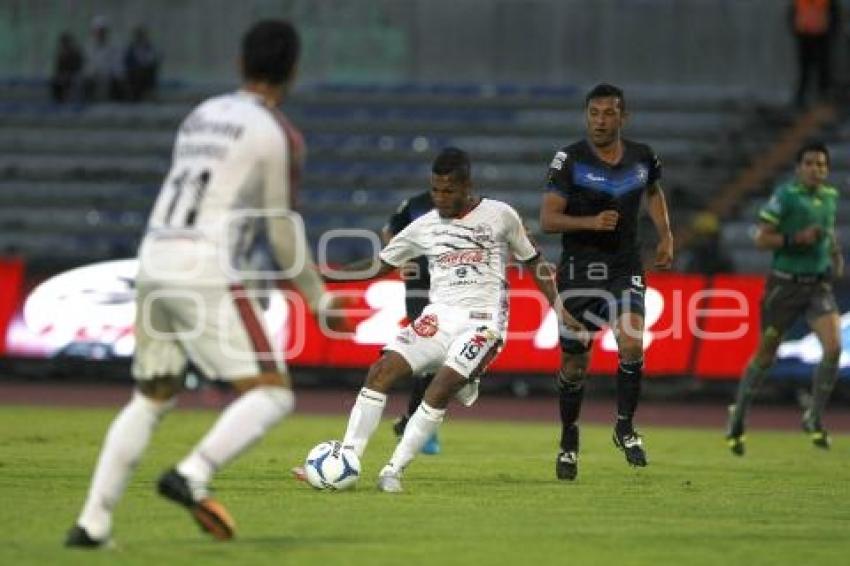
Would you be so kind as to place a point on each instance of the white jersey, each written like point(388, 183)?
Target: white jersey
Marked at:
point(468, 256)
point(230, 166)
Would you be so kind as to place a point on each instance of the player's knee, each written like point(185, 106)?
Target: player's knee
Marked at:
point(440, 391)
point(160, 389)
point(281, 396)
point(573, 347)
point(632, 353)
point(382, 374)
point(573, 372)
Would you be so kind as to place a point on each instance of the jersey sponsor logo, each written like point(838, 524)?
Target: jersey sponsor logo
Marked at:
point(426, 325)
point(478, 315)
point(558, 161)
point(595, 178)
point(461, 257)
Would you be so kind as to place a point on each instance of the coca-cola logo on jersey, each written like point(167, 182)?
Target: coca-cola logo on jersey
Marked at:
point(461, 257)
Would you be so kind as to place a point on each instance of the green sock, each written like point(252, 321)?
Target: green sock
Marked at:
point(750, 382)
point(826, 374)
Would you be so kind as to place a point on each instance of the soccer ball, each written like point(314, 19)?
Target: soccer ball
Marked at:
point(330, 466)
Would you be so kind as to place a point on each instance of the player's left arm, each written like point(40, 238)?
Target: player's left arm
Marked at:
point(541, 271)
point(657, 207)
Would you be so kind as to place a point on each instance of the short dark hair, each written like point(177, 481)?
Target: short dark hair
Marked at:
point(817, 146)
point(604, 90)
point(269, 51)
point(452, 161)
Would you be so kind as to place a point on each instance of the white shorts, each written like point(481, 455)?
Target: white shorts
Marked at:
point(219, 328)
point(467, 341)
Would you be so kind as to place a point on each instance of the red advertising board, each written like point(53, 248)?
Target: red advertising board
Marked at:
point(11, 277)
point(704, 327)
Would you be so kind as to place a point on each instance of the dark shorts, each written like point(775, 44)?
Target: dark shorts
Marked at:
point(785, 300)
point(599, 303)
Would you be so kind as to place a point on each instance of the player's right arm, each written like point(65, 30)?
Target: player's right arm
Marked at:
point(400, 249)
point(288, 239)
point(553, 215)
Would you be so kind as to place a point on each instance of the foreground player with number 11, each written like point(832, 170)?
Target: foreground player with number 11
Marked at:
point(466, 239)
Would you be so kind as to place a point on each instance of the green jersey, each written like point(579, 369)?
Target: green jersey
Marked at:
point(794, 207)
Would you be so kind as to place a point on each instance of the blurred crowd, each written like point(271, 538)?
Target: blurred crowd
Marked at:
point(104, 71)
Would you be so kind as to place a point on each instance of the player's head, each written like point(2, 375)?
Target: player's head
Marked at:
point(451, 182)
point(812, 164)
point(270, 52)
point(605, 113)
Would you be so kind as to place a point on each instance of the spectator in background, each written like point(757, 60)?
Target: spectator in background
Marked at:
point(705, 254)
point(815, 25)
point(104, 69)
point(67, 69)
point(141, 63)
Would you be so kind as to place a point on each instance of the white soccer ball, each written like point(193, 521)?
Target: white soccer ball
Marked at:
point(330, 466)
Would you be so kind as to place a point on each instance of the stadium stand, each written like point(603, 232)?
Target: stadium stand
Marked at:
point(78, 181)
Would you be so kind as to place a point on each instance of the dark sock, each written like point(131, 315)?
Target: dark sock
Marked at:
point(570, 396)
point(750, 382)
point(629, 376)
point(823, 382)
point(420, 384)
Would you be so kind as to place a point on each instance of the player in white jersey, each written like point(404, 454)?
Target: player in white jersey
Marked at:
point(230, 177)
point(468, 242)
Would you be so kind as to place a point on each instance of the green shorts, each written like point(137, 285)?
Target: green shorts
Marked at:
point(785, 300)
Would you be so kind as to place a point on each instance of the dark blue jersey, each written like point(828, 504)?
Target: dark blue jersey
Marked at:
point(417, 287)
point(592, 186)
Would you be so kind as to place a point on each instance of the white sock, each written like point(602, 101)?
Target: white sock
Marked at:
point(421, 426)
point(125, 442)
point(244, 422)
point(364, 419)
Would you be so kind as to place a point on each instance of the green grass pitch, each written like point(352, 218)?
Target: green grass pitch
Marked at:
point(490, 498)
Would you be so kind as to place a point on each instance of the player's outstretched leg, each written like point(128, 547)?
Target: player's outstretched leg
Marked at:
point(823, 382)
point(422, 426)
point(420, 384)
point(244, 422)
point(210, 515)
point(124, 444)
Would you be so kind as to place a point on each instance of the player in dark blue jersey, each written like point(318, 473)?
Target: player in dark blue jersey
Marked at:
point(417, 283)
point(593, 195)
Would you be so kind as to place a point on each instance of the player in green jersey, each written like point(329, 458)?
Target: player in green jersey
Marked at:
point(798, 225)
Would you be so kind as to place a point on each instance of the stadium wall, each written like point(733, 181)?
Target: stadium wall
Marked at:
point(700, 43)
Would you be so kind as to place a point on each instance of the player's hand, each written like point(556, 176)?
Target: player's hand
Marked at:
point(664, 254)
point(807, 236)
point(333, 312)
point(605, 221)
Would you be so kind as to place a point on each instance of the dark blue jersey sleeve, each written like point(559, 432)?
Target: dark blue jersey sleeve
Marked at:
point(400, 218)
point(559, 178)
point(654, 168)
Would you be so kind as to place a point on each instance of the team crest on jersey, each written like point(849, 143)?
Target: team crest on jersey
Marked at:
point(642, 173)
point(458, 258)
point(558, 161)
point(426, 325)
point(482, 233)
